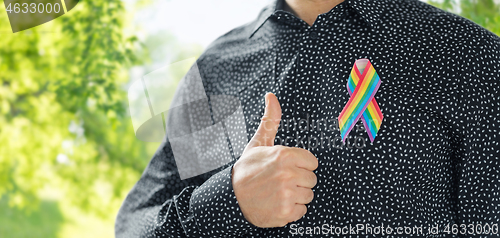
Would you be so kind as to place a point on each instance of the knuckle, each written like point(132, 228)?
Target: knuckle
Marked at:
point(265, 119)
point(285, 211)
point(313, 159)
point(304, 210)
point(268, 123)
point(313, 178)
point(285, 194)
point(300, 214)
point(280, 160)
point(314, 162)
point(281, 152)
point(310, 196)
point(284, 176)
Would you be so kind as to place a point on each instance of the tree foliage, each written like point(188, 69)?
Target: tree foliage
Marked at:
point(64, 127)
point(483, 12)
point(63, 120)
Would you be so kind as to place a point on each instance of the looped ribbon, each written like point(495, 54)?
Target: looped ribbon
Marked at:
point(362, 86)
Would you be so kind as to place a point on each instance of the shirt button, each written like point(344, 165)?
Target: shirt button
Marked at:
point(313, 35)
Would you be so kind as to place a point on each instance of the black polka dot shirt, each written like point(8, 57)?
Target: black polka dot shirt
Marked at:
point(433, 164)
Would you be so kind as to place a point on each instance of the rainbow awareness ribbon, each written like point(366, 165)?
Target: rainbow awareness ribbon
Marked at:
point(362, 85)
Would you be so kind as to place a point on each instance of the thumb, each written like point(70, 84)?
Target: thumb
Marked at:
point(265, 134)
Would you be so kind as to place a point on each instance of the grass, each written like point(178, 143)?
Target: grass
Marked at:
point(51, 220)
point(44, 222)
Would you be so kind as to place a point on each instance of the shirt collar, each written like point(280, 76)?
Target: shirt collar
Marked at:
point(368, 10)
point(267, 12)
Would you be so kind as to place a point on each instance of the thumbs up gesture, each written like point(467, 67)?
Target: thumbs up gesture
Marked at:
point(273, 183)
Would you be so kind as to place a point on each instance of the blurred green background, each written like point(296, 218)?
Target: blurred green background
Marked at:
point(68, 153)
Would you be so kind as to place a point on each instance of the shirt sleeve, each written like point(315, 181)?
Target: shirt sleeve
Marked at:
point(162, 204)
point(478, 167)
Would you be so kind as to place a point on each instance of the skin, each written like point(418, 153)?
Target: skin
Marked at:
point(272, 183)
point(308, 10)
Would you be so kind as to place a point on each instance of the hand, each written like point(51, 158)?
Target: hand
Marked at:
point(273, 183)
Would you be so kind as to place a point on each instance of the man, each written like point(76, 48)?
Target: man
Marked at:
point(432, 168)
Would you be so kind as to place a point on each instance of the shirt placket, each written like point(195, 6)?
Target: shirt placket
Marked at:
point(309, 76)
